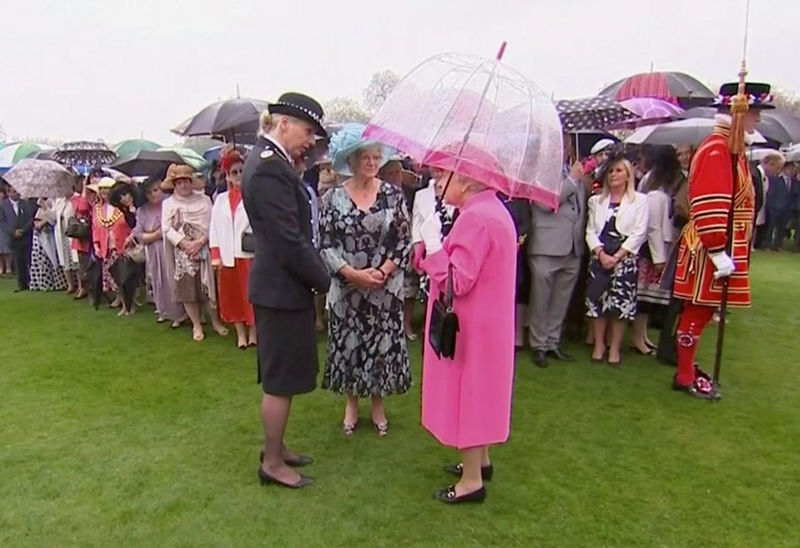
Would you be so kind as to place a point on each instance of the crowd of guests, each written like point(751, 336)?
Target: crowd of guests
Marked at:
point(385, 235)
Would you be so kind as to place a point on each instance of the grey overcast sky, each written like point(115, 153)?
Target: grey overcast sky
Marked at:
point(115, 69)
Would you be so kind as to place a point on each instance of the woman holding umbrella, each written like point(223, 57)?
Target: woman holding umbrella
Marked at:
point(480, 257)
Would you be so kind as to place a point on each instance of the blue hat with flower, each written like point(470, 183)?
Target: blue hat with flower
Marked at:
point(347, 141)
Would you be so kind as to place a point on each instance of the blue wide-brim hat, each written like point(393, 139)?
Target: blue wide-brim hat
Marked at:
point(347, 141)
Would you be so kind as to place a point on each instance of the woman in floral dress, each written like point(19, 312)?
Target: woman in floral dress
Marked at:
point(365, 239)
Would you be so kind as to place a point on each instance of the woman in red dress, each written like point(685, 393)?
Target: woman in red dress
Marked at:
point(109, 232)
point(228, 223)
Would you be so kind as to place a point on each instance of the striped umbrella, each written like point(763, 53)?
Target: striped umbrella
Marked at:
point(14, 152)
point(674, 87)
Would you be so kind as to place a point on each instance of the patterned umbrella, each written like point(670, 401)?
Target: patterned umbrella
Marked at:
point(40, 179)
point(592, 113)
point(674, 87)
point(14, 152)
point(85, 153)
point(129, 147)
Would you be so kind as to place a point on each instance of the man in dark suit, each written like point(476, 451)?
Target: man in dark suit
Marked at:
point(16, 220)
point(779, 207)
point(286, 273)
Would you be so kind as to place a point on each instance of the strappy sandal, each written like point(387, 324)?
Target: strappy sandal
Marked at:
point(349, 428)
point(382, 428)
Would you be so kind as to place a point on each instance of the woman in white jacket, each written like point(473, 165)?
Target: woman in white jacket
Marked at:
point(661, 182)
point(228, 223)
point(616, 229)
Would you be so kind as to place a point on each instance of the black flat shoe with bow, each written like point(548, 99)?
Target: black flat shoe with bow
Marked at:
point(448, 495)
point(457, 469)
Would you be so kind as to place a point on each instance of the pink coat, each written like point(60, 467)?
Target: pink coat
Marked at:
point(466, 402)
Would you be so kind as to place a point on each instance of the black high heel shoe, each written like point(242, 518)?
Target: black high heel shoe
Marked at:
point(265, 479)
point(448, 495)
point(457, 469)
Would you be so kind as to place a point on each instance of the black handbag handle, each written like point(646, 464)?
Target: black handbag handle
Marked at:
point(449, 289)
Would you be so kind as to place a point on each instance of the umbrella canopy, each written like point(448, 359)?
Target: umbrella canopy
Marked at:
point(12, 153)
point(479, 118)
point(650, 111)
point(234, 119)
point(777, 125)
point(85, 153)
point(674, 87)
point(592, 113)
point(40, 179)
point(682, 132)
point(129, 147)
point(188, 156)
point(146, 163)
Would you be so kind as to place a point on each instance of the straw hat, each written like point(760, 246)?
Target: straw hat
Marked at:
point(105, 182)
point(176, 172)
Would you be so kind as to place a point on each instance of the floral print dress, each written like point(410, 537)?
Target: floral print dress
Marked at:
point(367, 354)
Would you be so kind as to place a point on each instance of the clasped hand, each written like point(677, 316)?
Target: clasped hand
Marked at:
point(367, 278)
point(608, 262)
point(191, 247)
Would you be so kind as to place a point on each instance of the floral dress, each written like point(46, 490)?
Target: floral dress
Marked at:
point(618, 302)
point(367, 354)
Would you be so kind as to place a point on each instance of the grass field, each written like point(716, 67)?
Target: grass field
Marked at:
point(121, 432)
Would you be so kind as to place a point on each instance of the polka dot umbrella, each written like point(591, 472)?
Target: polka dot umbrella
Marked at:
point(592, 113)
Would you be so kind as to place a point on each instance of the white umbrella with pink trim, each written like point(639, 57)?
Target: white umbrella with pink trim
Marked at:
point(479, 118)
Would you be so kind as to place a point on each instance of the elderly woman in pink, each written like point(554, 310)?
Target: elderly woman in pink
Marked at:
point(466, 401)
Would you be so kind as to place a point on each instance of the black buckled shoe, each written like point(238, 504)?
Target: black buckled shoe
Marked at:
point(702, 388)
point(540, 359)
point(457, 469)
point(560, 355)
point(448, 495)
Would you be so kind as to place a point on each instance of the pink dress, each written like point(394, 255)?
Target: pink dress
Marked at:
point(466, 402)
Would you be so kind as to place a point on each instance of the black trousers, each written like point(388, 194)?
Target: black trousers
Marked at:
point(21, 256)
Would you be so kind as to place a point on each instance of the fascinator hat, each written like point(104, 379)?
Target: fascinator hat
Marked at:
point(348, 141)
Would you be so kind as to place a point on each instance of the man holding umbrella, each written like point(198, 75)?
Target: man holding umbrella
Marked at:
point(285, 274)
point(715, 243)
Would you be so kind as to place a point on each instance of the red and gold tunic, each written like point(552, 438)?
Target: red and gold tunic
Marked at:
point(710, 193)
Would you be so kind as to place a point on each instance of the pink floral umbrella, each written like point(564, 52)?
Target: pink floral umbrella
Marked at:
point(479, 118)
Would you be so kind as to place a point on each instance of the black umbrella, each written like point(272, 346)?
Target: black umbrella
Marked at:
point(234, 119)
point(84, 153)
point(148, 163)
point(777, 125)
point(94, 278)
point(127, 273)
point(591, 113)
point(586, 139)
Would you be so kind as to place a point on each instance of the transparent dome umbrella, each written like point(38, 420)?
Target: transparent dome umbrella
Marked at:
point(479, 118)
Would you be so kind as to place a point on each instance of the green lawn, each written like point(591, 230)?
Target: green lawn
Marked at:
point(121, 432)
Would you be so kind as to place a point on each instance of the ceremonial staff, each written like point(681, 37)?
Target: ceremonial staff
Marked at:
point(739, 107)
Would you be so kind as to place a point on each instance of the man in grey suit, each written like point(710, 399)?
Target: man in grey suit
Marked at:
point(555, 248)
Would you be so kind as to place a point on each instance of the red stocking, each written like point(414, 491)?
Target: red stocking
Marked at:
point(694, 319)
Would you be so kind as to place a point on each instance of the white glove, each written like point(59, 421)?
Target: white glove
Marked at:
point(431, 232)
point(723, 264)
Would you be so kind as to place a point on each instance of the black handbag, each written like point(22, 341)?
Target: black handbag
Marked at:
point(444, 325)
point(78, 228)
point(600, 278)
point(248, 242)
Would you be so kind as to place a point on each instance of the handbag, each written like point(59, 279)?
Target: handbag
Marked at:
point(136, 253)
point(248, 242)
point(444, 325)
point(599, 277)
point(78, 228)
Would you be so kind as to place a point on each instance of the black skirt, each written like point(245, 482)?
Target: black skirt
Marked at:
point(287, 351)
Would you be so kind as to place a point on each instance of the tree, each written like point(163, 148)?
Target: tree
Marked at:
point(787, 100)
point(345, 109)
point(379, 88)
